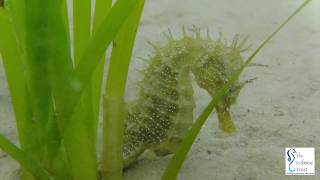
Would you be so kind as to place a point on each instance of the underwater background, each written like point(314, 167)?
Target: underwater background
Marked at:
point(281, 108)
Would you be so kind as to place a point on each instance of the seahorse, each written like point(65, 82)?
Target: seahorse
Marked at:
point(163, 111)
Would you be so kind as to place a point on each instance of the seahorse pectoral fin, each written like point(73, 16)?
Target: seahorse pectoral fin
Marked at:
point(237, 88)
point(242, 84)
point(225, 121)
point(258, 65)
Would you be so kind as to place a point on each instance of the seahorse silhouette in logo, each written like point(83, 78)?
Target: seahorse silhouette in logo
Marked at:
point(163, 111)
point(291, 158)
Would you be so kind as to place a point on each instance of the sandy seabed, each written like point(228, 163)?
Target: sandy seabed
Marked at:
point(280, 109)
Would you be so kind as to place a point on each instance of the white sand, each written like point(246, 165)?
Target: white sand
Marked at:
point(280, 109)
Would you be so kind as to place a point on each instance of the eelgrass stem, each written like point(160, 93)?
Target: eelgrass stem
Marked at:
point(26, 162)
point(114, 107)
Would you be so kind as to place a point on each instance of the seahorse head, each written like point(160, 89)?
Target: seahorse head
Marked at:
point(215, 64)
point(290, 154)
